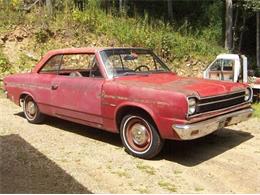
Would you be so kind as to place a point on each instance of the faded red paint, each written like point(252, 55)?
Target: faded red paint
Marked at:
point(257, 81)
point(97, 101)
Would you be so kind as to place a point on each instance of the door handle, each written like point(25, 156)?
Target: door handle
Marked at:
point(54, 87)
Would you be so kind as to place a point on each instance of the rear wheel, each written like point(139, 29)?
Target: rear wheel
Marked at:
point(31, 110)
point(140, 136)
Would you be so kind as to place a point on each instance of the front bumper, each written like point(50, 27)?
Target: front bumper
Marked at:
point(6, 94)
point(200, 129)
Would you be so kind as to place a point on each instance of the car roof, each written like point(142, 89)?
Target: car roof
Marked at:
point(228, 56)
point(52, 53)
point(86, 50)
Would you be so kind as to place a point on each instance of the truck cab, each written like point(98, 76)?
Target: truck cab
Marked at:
point(234, 68)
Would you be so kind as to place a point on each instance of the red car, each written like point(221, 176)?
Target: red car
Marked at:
point(128, 91)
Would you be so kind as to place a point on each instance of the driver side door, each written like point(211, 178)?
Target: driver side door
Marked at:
point(76, 90)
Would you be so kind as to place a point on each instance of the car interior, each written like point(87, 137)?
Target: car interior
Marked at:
point(74, 65)
point(222, 70)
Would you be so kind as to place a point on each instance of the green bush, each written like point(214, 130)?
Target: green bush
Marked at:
point(5, 66)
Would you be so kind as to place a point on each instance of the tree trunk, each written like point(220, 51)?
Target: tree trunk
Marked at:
point(49, 7)
point(258, 39)
point(121, 6)
point(243, 27)
point(170, 11)
point(235, 36)
point(228, 20)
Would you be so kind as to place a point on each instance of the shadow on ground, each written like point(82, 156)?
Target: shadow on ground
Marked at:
point(23, 169)
point(194, 152)
point(90, 132)
point(187, 153)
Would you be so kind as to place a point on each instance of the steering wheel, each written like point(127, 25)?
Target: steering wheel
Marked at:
point(75, 74)
point(140, 67)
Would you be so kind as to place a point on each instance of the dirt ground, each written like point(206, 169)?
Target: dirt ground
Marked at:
point(64, 157)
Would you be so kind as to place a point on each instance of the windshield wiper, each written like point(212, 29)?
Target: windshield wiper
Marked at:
point(133, 73)
point(128, 73)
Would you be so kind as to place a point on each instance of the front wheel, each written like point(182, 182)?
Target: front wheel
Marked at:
point(31, 110)
point(140, 136)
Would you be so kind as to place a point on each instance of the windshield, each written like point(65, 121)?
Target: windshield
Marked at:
point(123, 62)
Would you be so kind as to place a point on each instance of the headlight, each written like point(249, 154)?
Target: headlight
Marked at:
point(247, 94)
point(192, 105)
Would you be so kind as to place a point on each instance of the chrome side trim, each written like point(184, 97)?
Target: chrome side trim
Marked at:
point(200, 129)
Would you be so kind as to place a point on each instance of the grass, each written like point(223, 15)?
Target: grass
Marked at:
point(121, 173)
point(167, 186)
point(199, 189)
point(177, 172)
point(146, 169)
point(143, 190)
point(256, 108)
point(5, 66)
point(167, 40)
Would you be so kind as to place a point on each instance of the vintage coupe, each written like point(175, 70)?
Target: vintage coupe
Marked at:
point(128, 91)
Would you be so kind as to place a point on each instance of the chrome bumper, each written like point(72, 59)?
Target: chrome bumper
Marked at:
point(6, 94)
point(200, 129)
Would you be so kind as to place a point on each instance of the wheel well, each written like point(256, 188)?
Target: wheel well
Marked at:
point(132, 110)
point(22, 96)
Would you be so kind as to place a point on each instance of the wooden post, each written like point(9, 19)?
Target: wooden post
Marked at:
point(229, 23)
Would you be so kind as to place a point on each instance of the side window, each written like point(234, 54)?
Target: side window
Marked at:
point(94, 71)
point(79, 65)
point(76, 62)
point(52, 65)
point(228, 65)
point(216, 66)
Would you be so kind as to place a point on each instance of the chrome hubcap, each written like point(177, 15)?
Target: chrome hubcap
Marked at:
point(139, 134)
point(31, 109)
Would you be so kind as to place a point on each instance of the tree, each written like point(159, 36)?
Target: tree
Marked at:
point(255, 6)
point(49, 7)
point(258, 39)
point(122, 5)
point(170, 11)
point(229, 23)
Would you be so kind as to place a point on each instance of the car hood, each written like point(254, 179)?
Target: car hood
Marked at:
point(186, 85)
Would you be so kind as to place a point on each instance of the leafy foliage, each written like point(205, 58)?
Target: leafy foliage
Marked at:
point(252, 4)
point(5, 66)
point(194, 33)
point(256, 108)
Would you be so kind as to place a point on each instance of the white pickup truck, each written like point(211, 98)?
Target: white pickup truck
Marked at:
point(232, 67)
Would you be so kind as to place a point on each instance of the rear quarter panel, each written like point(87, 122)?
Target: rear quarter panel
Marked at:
point(18, 84)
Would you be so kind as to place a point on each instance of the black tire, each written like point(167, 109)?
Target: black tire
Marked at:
point(140, 136)
point(31, 111)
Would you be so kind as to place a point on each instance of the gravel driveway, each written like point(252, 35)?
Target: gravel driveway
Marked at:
point(64, 157)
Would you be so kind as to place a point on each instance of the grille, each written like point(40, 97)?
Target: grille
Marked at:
point(219, 102)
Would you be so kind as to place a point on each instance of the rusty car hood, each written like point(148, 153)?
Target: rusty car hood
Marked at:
point(185, 85)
